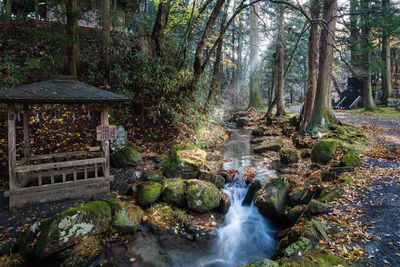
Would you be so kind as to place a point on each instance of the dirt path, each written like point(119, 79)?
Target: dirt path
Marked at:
point(380, 202)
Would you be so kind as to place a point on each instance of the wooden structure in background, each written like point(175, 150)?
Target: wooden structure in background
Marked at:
point(44, 178)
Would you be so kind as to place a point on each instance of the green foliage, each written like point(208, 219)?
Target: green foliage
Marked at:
point(10, 75)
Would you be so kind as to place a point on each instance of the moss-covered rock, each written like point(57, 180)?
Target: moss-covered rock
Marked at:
point(126, 156)
point(225, 203)
point(305, 153)
point(350, 159)
point(262, 263)
point(329, 194)
point(257, 132)
point(299, 247)
point(152, 176)
point(241, 122)
point(314, 230)
point(148, 192)
point(185, 163)
point(212, 177)
point(315, 207)
point(313, 258)
point(84, 253)
point(288, 156)
point(277, 146)
point(271, 200)
point(324, 150)
point(293, 214)
point(164, 218)
point(174, 192)
point(66, 228)
point(202, 196)
point(127, 217)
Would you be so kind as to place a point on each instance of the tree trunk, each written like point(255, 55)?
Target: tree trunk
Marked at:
point(198, 57)
point(105, 64)
point(322, 114)
point(365, 68)
point(386, 72)
point(160, 24)
point(8, 9)
point(73, 50)
point(255, 93)
point(280, 104)
point(216, 78)
point(354, 35)
point(312, 67)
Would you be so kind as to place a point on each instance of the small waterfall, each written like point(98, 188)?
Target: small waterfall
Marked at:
point(246, 235)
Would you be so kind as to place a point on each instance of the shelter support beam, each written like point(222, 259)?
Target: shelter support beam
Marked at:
point(105, 145)
point(12, 150)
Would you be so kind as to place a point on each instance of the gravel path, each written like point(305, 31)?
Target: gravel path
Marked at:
point(380, 203)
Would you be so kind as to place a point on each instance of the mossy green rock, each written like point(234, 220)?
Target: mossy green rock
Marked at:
point(202, 196)
point(126, 156)
point(329, 194)
point(293, 214)
point(66, 228)
point(127, 217)
point(350, 159)
point(315, 207)
point(315, 231)
point(163, 218)
point(271, 200)
point(262, 263)
point(84, 253)
point(212, 177)
point(324, 150)
point(174, 192)
point(184, 163)
point(148, 192)
point(313, 258)
point(241, 122)
point(288, 156)
point(299, 247)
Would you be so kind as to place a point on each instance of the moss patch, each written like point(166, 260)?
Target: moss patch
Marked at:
point(202, 196)
point(148, 192)
point(174, 192)
point(126, 156)
point(324, 150)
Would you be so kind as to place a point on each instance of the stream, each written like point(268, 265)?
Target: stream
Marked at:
point(246, 235)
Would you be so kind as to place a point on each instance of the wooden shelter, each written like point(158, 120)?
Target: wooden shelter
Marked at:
point(44, 178)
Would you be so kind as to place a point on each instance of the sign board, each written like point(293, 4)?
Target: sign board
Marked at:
point(106, 132)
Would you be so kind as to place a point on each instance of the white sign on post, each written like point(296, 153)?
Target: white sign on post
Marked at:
point(106, 132)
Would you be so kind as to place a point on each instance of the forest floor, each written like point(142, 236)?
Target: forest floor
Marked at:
point(379, 199)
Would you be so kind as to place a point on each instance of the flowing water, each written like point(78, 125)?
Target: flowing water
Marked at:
point(246, 235)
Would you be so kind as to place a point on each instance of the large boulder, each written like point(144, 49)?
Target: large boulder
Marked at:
point(299, 247)
point(313, 258)
point(315, 207)
point(126, 156)
point(127, 216)
point(350, 159)
point(65, 229)
point(271, 201)
point(288, 156)
point(148, 192)
point(324, 150)
point(262, 263)
point(202, 196)
point(84, 253)
point(212, 177)
point(174, 192)
point(185, 163)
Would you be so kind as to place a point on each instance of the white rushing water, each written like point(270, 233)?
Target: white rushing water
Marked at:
point(246, 236)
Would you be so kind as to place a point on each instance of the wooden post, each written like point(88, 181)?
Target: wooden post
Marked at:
point(105, 144)
point(12, 153)
point(26, 131)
